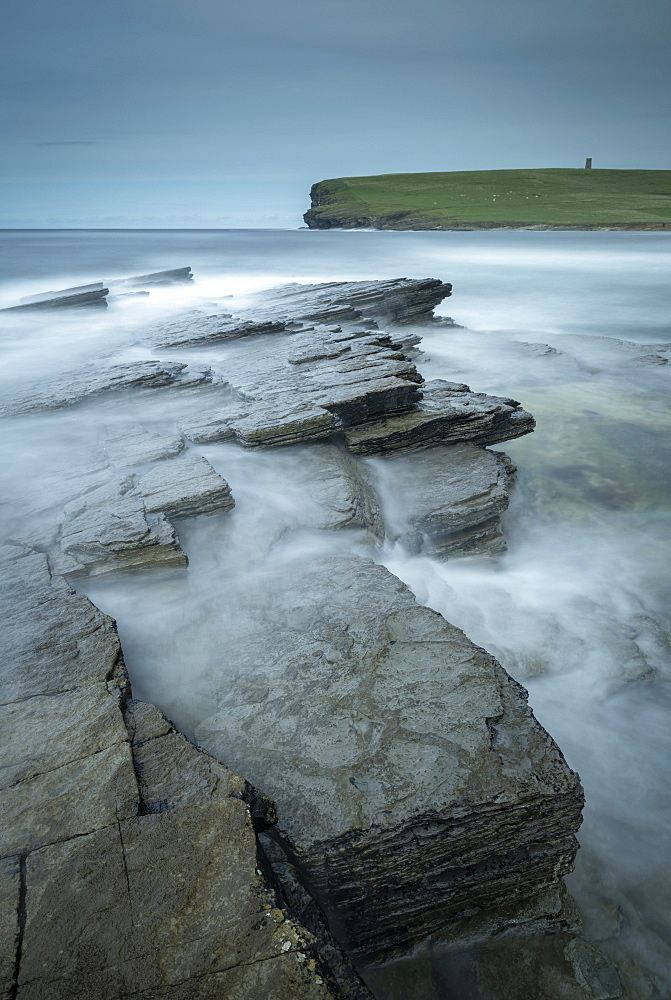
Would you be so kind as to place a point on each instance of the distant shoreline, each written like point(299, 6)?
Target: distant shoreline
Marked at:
point(481, 227)
point(554, 199)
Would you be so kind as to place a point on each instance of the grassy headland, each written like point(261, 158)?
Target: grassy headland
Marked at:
point(492, 199)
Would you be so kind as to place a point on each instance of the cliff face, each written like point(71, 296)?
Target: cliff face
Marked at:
point(483, 200)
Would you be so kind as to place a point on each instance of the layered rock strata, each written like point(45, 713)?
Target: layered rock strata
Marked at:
point(87, 295)
point(445, 500)
point(95, 292)
point(94, 380)
point(448, 412)
point(414, 785)
point(129, 858)
point(416, 790)
point(124, 524)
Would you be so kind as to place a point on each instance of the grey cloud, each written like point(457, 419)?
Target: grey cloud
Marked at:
point(70, 142)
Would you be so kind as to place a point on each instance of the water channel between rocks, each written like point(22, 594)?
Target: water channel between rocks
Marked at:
point(576, 609)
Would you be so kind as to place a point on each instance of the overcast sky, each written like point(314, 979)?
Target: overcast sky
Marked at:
point(211, 113)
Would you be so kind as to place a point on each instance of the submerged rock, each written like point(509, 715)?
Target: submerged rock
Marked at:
point(414, 785)
point(135, 445)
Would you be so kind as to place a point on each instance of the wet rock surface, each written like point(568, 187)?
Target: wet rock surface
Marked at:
point(399, 755)
point(415, 789)
point(445, 500)
point(448, 412)
point(123, 525)
point(114, 881)
point(96, 380)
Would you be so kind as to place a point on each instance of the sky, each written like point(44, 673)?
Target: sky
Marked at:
point(214, 114)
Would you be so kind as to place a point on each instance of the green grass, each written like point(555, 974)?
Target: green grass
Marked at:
point(528, 197)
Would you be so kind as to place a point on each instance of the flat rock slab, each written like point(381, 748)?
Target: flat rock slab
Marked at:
point(54, 640)
point(399, 301)
point(10, 928)
point(124, 524)
point(128, 858)
point(135, 445)
point(68, 801)
point(110, 530)
point(95, 380)
point(413, 782)
point(46, 732)
point(185, 487)
point(445, 500)
point(449, 412)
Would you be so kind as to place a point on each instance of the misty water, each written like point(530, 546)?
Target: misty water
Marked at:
point(578, 607)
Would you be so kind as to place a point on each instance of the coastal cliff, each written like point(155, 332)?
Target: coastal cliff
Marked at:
point(367, 776)
point(554, 199)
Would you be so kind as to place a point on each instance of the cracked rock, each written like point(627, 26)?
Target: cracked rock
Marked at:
point(412, 781)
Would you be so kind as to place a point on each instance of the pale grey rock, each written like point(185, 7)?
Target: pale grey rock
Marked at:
point(412, 782)
point(110, 530)
point(67, 298)
point(97, 900)
point(317, 382)
point(287, 976)
point(93, 286)
point(68, 801)
point(197, 330)
point(95, 380)
point(135, 445)
point(281, 421)
point(448, 413)
point(144, 722)
point(46, 732)
point(185, 487)
point(151, 902)
point(287, 402)
point(399, 301)
point(213, 426)
point(172, 276)
point(54, 640)
point(444, 501)
point(171, 772)
point(342, 494)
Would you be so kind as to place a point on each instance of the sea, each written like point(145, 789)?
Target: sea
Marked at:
point(577, 327)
